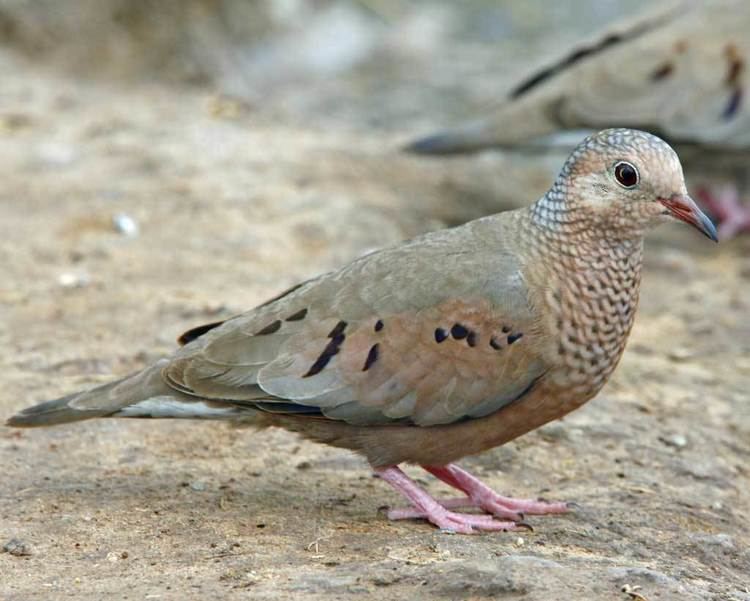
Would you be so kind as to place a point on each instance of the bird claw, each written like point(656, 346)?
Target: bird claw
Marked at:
point(478, 494)
point(510, 512)
point(518, 509)
point(451, 522)
point(447, 531)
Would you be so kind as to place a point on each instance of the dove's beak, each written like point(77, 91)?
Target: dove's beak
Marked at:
point(682, 207)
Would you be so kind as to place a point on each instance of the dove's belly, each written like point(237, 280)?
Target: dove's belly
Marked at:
point(437, 445)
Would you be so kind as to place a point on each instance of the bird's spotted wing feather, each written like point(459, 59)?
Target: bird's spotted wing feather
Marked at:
point(357, 347)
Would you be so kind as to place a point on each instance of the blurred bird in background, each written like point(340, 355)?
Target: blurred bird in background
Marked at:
point(679, 71)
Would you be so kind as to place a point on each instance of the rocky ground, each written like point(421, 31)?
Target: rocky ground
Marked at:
point(130, 211)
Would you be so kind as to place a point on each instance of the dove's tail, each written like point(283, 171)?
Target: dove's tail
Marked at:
point(515, 122)
point(469, 137)
point(142, 394)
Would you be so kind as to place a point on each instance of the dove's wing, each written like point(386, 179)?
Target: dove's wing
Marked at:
point(359, 346)
point(680, 71)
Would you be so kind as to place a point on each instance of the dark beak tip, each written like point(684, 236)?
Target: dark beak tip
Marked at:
point(685, 209)
point(707, 227)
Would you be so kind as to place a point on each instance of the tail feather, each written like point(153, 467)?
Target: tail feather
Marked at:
point(514, 122)
point(101, 401)
point(142, 394)
point(465, 138)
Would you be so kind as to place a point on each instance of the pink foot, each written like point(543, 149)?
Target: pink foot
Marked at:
point(725, 204)
point(428, 508)
point(478, 494)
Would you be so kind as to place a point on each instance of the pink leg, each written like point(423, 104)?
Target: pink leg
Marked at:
point(725, 204)
point(482, 496)
point(428, 508)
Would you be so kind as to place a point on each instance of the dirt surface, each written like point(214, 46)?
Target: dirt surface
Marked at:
point(232, 205)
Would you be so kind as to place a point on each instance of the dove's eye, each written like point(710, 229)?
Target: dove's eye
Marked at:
point(626, 174)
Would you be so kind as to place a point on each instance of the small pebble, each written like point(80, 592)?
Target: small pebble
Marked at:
point(72, 279)
point(126, 225)
point(678, 441)
point(681, 353)
point(57, 154)
point(17, 548)
point(197, 485)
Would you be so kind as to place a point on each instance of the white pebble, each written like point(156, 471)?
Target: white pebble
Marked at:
point(72, 279)
point(126, 225)
point(678, 440)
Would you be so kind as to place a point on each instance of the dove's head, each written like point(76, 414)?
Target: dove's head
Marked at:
point(625, 181)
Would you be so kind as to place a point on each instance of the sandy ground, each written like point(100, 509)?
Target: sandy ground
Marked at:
point(233, 207)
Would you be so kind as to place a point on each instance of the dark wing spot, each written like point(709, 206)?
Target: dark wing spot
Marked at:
point(736, 65)
point(735, 69)
point(270, 328)
point(735, 100)
point(495, 344)
point(471, 339)
point(459, 332)
point(338, 330)
point(583, 53)
point(286, 292)
point(568, 61)
point(379, 325)
point(662, 72)
point(372, 356)
point(440, 335)
point(320, 363)
point(506, 329)
point(337, 337)
point(298, 315)
point(513, 337)
point(331, 349)
point(197, 332)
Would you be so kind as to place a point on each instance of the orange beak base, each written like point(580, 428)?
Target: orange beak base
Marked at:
point(683, 207)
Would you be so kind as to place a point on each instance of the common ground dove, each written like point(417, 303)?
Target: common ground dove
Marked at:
point(680, 71)
point(448, 345)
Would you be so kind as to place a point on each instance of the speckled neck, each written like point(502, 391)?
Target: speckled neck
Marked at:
point(570, 230)
point(591, 287)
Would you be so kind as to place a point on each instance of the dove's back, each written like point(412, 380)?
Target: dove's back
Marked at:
point(679, 71)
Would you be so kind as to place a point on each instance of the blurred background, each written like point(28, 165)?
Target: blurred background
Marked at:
point(165, 164)
point(387, 65)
